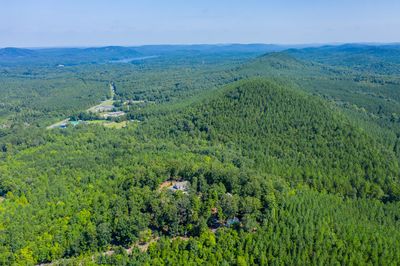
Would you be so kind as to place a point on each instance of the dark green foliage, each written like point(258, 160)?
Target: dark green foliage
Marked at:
point(310, 228)
point(293, 135)
point(298, 167)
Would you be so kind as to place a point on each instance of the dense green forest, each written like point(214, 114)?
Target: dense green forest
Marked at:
point(231, 156)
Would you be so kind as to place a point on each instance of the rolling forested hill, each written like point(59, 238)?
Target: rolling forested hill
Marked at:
point(369, 98)
point(229, 157)
point(289, 134)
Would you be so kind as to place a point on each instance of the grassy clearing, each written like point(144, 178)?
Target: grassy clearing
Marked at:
point(109, 124)
point(116, 125)
point(96, 122)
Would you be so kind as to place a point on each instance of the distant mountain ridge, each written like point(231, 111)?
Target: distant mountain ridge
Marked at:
point(70, 56)
point(15, 52)
point(65, 56)
point(383, 58)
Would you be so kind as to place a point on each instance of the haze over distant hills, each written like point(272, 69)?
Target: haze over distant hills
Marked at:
point(105, 54)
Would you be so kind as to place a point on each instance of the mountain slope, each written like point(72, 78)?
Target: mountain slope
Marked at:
point(291, 134)
point(372, 99)
point(284, 64)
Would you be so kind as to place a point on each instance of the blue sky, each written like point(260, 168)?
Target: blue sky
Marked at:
point(39, 23)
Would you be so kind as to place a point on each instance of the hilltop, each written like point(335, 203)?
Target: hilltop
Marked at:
point(292, 134)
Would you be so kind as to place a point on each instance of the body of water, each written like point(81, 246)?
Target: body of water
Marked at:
point(132, 59)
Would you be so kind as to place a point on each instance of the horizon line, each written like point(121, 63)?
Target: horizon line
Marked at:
point(316, 44)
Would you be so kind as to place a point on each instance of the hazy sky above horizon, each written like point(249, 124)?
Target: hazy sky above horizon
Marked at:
point(44, 23)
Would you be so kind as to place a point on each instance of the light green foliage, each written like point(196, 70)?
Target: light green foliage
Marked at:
point(308, 179)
